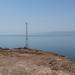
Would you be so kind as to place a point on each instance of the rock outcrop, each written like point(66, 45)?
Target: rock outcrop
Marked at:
point(21, 61)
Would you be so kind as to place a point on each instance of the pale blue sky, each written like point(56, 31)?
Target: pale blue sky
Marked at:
point(42, 16)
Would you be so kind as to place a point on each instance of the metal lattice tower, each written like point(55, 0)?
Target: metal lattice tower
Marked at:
point(26, 44)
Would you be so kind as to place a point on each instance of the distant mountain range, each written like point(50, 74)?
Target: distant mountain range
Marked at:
point(63, 33)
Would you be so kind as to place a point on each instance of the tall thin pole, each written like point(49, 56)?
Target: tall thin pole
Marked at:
point(26, 35)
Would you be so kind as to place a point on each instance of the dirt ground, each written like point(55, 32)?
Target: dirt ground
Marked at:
point(20, 61)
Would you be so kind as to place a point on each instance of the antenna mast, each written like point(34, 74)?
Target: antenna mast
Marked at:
point(26, 46)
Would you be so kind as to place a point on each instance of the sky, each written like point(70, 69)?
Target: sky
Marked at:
point(41, 15)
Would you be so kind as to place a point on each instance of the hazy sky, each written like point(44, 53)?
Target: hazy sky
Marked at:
point(41, 15)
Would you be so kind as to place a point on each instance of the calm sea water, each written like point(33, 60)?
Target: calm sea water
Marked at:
point(64, 45)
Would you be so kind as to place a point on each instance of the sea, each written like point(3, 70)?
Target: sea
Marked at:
point(64, 45)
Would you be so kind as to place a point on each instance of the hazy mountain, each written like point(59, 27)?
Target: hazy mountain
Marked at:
point(63, 33)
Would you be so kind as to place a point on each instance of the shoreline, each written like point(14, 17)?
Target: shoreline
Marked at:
point(37, 50)
point(24, 61)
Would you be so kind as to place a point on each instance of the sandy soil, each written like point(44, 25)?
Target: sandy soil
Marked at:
point(21, 61)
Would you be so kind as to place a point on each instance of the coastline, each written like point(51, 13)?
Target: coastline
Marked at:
point(20, 61)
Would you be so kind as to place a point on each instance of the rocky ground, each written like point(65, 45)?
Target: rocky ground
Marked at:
point(20, 61)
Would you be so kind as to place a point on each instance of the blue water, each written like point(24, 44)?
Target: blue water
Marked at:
point(64, 45)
